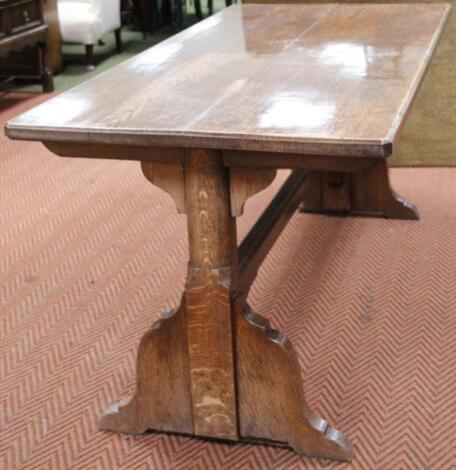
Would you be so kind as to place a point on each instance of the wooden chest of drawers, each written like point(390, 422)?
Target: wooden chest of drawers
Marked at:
point(21, 26)
point(18, 15)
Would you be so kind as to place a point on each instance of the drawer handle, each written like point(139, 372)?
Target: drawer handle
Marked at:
point(26, 16)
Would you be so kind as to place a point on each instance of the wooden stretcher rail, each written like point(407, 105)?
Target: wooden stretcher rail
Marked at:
point(267, 229)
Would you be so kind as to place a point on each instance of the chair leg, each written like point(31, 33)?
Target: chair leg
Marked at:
point(210, 6)
point(117, 32)
point(155, 12)
point(46, 73)
point(198, 10)
point(179, 13)
point(89, 57)
point(140, 17)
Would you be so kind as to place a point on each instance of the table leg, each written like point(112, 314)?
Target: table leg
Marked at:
point(46, 73)
point(212, 367)
point(185, 369)
point(362, 193)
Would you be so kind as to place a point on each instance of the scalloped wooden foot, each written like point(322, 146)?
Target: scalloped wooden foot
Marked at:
point(362, 193)
point(270, 393)
point(162, 399)
point(185, 371)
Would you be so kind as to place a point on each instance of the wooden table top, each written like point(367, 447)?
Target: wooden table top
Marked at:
point(311, 79)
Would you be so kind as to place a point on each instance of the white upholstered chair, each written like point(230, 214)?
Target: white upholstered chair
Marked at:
point(86, 21)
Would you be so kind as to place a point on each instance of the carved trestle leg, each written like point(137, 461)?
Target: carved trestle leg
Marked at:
point(213, 368)
point(362, 193)
point(185, 367)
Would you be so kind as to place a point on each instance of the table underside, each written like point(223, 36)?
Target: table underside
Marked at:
point(213, 367)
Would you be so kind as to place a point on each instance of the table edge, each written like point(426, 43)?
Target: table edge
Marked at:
point(273, 143)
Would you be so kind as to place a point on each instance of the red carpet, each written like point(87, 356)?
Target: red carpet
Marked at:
point(91, 253)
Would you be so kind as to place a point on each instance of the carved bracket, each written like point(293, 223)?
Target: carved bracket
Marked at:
point(170, 178)
point(245, 182)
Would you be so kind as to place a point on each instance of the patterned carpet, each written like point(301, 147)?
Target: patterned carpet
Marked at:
point(90, 254)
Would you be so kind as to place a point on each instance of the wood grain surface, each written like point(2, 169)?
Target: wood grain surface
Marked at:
point(318, 79)
point(212, 260)
point(429, 135)
point(271, 396)
point(367, 192)
point(245, 182)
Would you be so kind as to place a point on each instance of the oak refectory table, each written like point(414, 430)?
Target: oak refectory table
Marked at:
point(212, 113)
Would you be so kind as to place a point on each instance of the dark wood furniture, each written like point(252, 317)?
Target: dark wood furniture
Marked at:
point(148, 15)
point(136, 12)
point(151, 14)
point(21, 26)
point(261, 87)
point(210, 5)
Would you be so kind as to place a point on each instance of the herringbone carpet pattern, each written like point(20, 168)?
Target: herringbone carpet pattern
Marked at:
point(91, 253)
